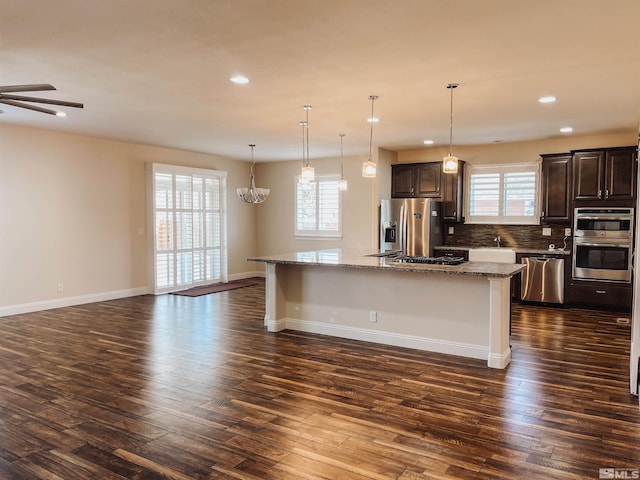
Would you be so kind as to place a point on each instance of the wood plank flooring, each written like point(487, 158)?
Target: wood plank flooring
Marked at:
point(173, 387)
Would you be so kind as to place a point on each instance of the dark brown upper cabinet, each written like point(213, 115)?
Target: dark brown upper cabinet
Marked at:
point(605, 177)
point(556, 187)
point(426, 180)
point(416, 180)
point(452, 198)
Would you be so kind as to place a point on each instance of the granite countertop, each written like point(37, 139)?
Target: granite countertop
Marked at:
point(537, 251)
point(357, 258)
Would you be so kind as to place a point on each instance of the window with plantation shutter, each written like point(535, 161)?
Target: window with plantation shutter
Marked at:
point(318, 208)
point(189, 223)
point(503, 194)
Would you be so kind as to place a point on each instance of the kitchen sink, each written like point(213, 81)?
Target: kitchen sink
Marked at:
point(492, 254)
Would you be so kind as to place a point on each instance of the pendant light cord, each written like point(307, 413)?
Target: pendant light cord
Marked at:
point(372, 98)
point(307, 108)
point(341, 167)
point(451, 86)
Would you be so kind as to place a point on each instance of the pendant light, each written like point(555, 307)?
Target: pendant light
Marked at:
point(253, 194)
point(308, 173)
point(369, 167)
point(342, 183)
point(450, 163)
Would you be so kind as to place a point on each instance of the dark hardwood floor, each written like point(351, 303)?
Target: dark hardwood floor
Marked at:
point(182, 388)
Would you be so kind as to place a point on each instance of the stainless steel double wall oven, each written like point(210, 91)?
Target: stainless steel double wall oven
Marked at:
point(603, 244)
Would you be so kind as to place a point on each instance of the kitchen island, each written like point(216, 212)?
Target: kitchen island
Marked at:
point(454, 309)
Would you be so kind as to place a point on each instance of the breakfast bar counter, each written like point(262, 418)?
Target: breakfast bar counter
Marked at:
point(454, 309)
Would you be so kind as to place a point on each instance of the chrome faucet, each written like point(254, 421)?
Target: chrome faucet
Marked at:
point(497, 240)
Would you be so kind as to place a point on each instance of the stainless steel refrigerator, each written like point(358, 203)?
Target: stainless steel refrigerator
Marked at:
point(412, 226)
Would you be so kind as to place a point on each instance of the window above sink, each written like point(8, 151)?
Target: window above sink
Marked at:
point(503, 194)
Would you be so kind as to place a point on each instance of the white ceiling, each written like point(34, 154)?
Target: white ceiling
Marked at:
point(157, 71)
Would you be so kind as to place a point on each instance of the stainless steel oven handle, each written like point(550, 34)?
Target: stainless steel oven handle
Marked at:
point(604, 216)
point(599, 244)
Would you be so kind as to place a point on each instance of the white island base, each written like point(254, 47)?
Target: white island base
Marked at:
point(458, 314)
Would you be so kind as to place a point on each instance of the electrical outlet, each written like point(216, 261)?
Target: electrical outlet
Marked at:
point(567, 232)
point(546, 232)
point(373, 316)
point(60, 287)
point(450, 230)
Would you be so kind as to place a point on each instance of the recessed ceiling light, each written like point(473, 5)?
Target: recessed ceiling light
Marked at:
point(549, 99)
point(239, 79)
point(428, 142)
point(61, 114)
point(566, 129)
point(373, 120)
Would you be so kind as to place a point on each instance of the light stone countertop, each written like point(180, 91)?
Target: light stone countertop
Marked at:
point(356, 258)
point(533, 251)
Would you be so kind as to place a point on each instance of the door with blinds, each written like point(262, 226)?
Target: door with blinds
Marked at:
point(189, 223)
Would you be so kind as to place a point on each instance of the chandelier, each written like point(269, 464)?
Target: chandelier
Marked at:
point(253, 194)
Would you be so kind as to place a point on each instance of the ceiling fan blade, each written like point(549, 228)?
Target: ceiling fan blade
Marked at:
point(36, 87)
point(22, 98)
point(28, 107)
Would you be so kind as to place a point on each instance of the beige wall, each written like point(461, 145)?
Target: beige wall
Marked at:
point(360, 203)
point(71, 208)
point(517, 152)
point(276, 216)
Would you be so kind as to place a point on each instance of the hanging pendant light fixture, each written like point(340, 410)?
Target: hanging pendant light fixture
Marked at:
point(450, 163)
point(369, 167)
point(253, 194)
point(308, 172)
point(342, 183)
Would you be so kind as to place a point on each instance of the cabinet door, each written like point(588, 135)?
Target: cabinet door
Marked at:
point(620, 175)
point(601, 294)
point(588, 175)
point(428, 179)
point(452, 195)
point(402, 181)
point(556, 186)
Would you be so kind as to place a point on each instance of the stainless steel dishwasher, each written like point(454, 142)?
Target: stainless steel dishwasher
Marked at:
point(543, 279)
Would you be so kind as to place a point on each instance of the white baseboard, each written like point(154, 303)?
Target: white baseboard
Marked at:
point(389, 338)
point(70, 301)
point(243, 275)
point(95, 297)
point(499, 361)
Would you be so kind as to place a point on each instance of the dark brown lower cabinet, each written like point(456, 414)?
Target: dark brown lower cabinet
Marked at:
point(613, 296)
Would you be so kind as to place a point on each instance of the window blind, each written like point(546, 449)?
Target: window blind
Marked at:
point(503, 194)
point(318, 208)
point(189, 227)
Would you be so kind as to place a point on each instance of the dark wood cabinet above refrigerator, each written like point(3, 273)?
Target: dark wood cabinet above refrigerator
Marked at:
point(426, 180)
point(416, 180)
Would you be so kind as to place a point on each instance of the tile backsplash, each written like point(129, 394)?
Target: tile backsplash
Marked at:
point(518, 236)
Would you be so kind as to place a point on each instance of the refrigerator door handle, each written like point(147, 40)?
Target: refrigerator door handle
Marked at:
point(403, 229)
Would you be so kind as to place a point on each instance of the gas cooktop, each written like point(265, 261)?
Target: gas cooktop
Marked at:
point(430, 260)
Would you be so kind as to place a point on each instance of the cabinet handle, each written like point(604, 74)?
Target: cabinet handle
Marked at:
point(601, 291)
point(606, 194)
point(599, 193)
